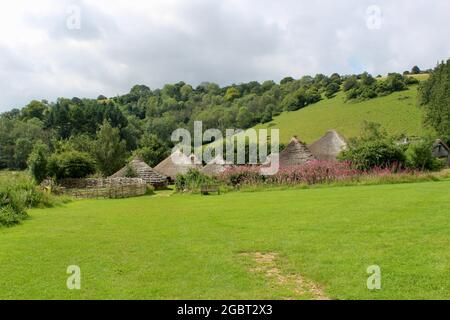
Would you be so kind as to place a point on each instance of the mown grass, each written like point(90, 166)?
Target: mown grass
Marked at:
point(188, 246)
point(398, 113)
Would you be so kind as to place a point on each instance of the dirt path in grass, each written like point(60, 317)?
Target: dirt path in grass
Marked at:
point(268, 265)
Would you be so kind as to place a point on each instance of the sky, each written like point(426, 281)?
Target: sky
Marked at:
point(68, 48)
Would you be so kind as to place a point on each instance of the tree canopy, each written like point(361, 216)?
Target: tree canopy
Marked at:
point(435, 97)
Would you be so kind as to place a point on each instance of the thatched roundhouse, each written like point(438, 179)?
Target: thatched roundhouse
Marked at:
point(441, 151)
point(143, 171)
point(215, 166)
point(329, 146)
point(169, 168)
point(295, 153)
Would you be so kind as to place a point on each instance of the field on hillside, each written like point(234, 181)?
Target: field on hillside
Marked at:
point(297, 244)
point(398, 113)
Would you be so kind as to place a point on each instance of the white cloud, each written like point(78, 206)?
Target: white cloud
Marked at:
point(122, 43)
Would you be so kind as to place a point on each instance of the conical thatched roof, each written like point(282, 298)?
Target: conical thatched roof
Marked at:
point(169, 168)
point(441, 150)
point(295, 153)
point(329, 146)
point(215, 166)
point(143, 171)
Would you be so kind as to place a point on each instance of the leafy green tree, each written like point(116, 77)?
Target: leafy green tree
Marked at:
point(35, 109)
point(110, 152)
point(244, 118)
point(23, 149)
point(37, 162)
point(419, 155)
point(415, 70)
point(336, 78)
point(286, 80)
point(395, 82)
point(231, 94)
point(151, 149)
point(331, 89)
point(367, 79)
point(70, 164)
point(435, 97)
point(186, 91)
point(350, 83)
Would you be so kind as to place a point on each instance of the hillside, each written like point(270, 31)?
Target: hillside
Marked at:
point(397, 113)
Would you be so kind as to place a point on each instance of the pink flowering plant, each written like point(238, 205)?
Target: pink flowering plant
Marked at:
point(310, 173)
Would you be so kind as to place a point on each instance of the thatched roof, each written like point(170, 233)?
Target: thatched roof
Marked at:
point(329, 146)
point(215, 166)
point(183, 163)
point(441, 150)
point(143, 171)
point(295, 153)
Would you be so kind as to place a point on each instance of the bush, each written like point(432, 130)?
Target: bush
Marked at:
point(350, 83)
point(331, 90)
point(9, 217)
point(312, 172)
point(70, 164)
point(419, 156)
point(374, 148)
point(192, 181)
point(241, 175)
point(370, 154)
point(37, 162)
point(369, 88)
point(17, 193)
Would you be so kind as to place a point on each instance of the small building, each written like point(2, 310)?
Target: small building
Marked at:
point(329, 146)
point(295, 153)
point(143, 171)
point(441, 151)
point(177, 163)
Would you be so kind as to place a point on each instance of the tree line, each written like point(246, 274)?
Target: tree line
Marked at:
point(106, 131)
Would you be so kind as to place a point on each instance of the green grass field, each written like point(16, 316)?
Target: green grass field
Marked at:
point(192, 247)
point(397, 113)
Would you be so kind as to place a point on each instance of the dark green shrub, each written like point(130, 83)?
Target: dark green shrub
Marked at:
point(395, 82)
point(192, 181)
point(419, 156)
point(18, 192)
point(331, 90)
point(9, 216)
point(373, 149)
point(70, 164)
point(37, 162)
point(350, 83)
point(371, 154)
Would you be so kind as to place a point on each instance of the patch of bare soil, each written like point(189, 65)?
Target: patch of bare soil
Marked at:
point(269, 265)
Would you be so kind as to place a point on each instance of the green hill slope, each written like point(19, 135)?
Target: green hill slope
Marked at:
point(397, 113)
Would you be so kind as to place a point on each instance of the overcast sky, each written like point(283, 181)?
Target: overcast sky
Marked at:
point(85, 48)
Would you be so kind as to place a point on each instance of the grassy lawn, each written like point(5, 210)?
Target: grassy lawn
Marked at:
point(397, 113)
point(190, 247)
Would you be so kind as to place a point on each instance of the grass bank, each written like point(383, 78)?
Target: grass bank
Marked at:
point(199, 247)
